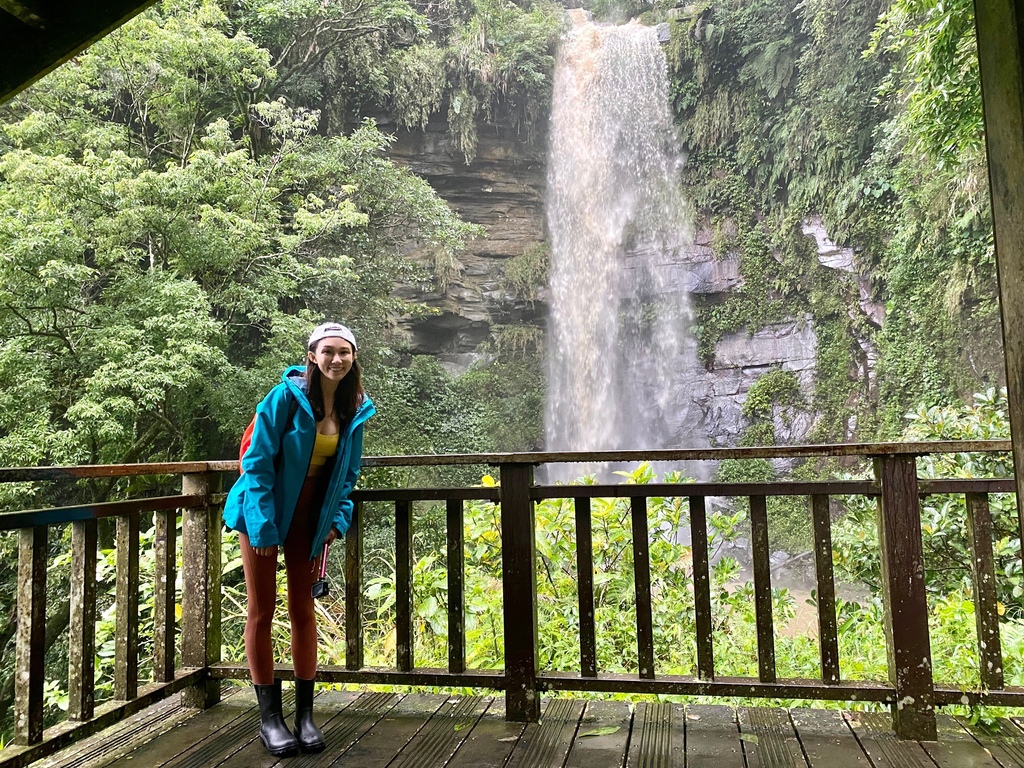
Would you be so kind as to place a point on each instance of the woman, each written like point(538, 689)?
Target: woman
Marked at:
point(297, 474)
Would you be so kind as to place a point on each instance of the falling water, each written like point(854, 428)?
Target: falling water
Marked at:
point(619, 318)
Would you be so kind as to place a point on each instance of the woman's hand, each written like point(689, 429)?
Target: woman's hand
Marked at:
point(331, 536)
point(265, 551)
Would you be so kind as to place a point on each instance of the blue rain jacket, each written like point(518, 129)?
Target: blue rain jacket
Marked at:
point(262, 501)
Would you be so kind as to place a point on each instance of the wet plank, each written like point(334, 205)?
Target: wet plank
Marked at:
point(602, 736)
point(659, 736)
point(326, 706)
point(769, 740)
point(122, 738)
point(379, 745)
point(546, 744)
point(956, 748)
point(437, 741)
point(827, 739)
point(874, 732)
point(241, 735)
point(712, 737)
point(205, 725)
point(490, 742)
point(1004, 739)
point(343, 728)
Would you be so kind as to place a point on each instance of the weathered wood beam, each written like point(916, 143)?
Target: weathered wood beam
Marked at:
point(519, 593)
point(24, 12)
point(200, 589)
point(903, 594)
point(999, 25)
point(30, 52)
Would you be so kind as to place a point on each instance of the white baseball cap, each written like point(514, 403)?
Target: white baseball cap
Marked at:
point(332, 329)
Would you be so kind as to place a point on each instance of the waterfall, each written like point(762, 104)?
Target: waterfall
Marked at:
point(619, 328)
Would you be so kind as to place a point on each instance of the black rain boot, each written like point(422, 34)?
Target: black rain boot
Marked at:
point(273, 732)
point(309, 736)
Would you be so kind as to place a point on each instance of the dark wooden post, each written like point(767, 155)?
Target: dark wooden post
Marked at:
point(762, 589)
point(642, 584)
point(828, 634)
point(702, 588)
point(519, 591)
point(354, 590)
point(200, 582)
point(82, 638)
point(986, 604)
point(906, 605)
point(456, 587)
point(585, 587)
point(1001, 61)
point(403, 586)
point(126, 631)
point(30, 642)
point(165, 551)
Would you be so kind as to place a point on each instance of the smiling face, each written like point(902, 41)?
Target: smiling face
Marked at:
point(333, 356)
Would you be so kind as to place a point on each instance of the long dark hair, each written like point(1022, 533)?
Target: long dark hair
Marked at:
point(348, 396)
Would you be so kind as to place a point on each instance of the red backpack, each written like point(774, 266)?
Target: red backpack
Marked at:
point(246, 441)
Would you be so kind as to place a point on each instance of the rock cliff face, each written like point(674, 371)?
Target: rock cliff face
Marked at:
point(503, 191)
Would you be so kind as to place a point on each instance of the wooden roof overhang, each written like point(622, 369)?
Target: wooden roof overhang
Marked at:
point(36, 36)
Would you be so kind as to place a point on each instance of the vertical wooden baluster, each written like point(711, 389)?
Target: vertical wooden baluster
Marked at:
point(165, 575)
point(126, 632)
point(642, 580)
point(701, 588)
point(456, 587)
point(82, 634)
point(906, 605)
point(762, 589)
point(828, 637)
point(354, 590)
point(983, 575)
point(585, 588)
point(30, 639)
point(403, 585)
point(200, 589)
point(519, 593)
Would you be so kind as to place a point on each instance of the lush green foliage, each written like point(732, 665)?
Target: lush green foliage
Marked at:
point(177, 208)
point(868, 114)
point(490, 59)
point(159, 263)
point(944, 517)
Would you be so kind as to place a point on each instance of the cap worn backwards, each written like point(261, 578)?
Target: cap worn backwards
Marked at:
point(332, 329)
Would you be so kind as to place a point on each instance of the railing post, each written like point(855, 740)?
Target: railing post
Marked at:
point(519, 591)
point(30, 643)
point(126, 633)
point(200, 593)
point(354, 590)
point(906, 605)
point(82, 640)
point(165, 555)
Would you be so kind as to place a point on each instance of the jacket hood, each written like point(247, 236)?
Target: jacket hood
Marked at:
point(295, 376)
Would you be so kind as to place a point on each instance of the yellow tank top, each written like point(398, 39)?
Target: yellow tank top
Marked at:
point(324, 447)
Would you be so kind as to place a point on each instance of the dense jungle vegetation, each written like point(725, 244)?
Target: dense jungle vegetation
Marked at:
point(180, 203)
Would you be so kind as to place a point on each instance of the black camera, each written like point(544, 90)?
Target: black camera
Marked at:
point(321, 588)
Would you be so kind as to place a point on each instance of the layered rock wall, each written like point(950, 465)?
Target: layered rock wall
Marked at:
point(502, 190)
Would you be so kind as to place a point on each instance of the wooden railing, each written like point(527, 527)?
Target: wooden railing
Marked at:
point(910, 690)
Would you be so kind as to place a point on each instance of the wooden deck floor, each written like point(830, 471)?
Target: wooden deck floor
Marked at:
point(378, 730)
